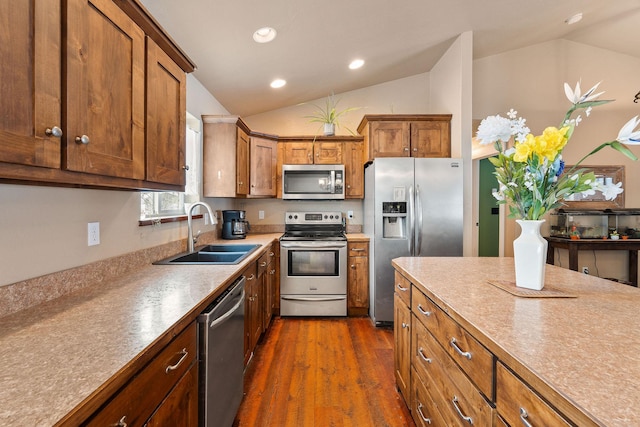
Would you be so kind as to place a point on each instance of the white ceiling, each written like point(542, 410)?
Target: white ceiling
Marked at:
point(397, 38)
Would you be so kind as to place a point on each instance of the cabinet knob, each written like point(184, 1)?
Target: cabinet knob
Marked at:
point(54, 131)
point(122, 422)
point(84, 139)
point(406, 148)
point(348, 186)
point(353, 266)
point(415, 150)
point(185, 167)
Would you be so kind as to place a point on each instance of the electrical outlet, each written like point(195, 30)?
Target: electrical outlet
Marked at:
point(93, 232)
point(585, 270)
point(350, 214)
point(260, 214)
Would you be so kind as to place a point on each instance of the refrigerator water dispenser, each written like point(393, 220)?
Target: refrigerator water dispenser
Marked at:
point(394, 220)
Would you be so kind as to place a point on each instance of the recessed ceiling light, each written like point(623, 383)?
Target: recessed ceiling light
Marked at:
point(278, 83)
point(356, 63)
point(573, 19)
point(264, 35)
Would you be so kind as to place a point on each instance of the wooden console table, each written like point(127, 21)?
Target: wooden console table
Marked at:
point(573, 246)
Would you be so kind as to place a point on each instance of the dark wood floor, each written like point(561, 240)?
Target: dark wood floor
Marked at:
point(320, 372)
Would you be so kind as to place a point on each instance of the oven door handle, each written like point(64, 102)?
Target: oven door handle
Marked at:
point(336, 298)
point(313, 245)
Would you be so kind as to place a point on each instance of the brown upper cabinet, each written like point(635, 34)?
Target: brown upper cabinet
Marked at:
point(237, 162)
point(312, 152)
point(74, 113)
point(415, 135)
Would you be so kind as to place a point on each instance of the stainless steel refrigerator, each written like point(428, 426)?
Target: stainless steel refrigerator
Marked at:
point(412, 207)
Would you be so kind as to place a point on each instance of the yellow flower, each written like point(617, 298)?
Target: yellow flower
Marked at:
point(548, 145)
point(524, 149)
point(551, 142)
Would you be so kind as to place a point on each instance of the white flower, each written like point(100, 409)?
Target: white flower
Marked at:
point(627, 135)
point(512, 114)
point(576, 98)
point(494, 128)
point(588, 111)
point(611, 191)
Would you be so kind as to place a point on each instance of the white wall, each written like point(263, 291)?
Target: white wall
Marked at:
point(44, 229)
point(451, 93)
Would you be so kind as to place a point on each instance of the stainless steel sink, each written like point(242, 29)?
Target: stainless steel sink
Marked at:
point(212, 254)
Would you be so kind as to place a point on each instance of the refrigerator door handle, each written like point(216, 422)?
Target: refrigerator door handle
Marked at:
point(412, 222)
point(418, 214)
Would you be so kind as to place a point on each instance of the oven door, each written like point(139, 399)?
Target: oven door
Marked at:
point(313, 267)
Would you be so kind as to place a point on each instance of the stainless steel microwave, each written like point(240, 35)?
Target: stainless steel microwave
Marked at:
point(313, 182)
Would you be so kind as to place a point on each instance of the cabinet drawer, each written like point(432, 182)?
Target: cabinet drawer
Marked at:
point(358, 248)
point(424, 409)
point(139, 398)
point(457, 398)
point(518, 404)
point(475, 360)
point(403, 288)
point(263, 262)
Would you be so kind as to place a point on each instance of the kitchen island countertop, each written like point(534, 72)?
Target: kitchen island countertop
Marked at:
point(58, 354)
point(582, 352)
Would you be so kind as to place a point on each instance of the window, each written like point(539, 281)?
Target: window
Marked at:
point(158, 205)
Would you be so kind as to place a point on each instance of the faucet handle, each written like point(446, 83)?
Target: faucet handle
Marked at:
point(195, 238)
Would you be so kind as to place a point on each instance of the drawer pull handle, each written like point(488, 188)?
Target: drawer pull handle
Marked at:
point(251, 277)
point(122, 422)
point(458, 350)
point(459, 411)
point(170, 368)
point(357, 249)
point(523, 416)
point(423, 311)
point(401, 288)
point(263, 264)
point(425, 358)
point(425, 419)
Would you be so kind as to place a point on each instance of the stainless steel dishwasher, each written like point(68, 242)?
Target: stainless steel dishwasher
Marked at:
point(221, 361)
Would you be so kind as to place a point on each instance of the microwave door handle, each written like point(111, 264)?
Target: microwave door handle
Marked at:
point(332, 183)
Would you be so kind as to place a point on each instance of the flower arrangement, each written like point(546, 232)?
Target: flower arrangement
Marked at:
point(531, 173)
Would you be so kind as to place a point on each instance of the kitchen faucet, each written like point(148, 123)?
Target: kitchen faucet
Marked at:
point(190, 240)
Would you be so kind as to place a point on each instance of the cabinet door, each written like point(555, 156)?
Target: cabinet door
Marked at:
point(327, 153)
point(430, 139)
point(298, 153)
point(165, 127)
point(353, 170)
point(263, 157)
point(242, 163)
point(249, 298)
point(180, 407)
point(30, 72)
point(104, 85)
point(389, 139)
point(402, 348)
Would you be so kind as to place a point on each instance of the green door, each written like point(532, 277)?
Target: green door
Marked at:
point(488, 219)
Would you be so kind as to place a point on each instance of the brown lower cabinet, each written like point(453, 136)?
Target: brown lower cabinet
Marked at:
point(164, 392)
point(260, 296)
point(448, 378)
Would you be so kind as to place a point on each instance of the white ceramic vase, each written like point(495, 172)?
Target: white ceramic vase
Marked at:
point(329, 129)
point(530, 253)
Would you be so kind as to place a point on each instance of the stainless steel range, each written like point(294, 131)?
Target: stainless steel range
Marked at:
point(313, 265)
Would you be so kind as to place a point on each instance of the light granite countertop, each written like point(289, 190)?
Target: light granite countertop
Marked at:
point(59, 354)
point(583, 351)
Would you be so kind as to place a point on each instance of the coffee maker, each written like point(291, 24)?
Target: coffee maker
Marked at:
point(234, 225)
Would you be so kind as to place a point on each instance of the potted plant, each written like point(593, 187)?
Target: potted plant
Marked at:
point(329, 115)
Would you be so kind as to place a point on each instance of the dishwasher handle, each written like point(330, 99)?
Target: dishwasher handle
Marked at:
point(229, 313)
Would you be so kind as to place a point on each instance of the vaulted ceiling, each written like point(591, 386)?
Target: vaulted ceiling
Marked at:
point(397, 38)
